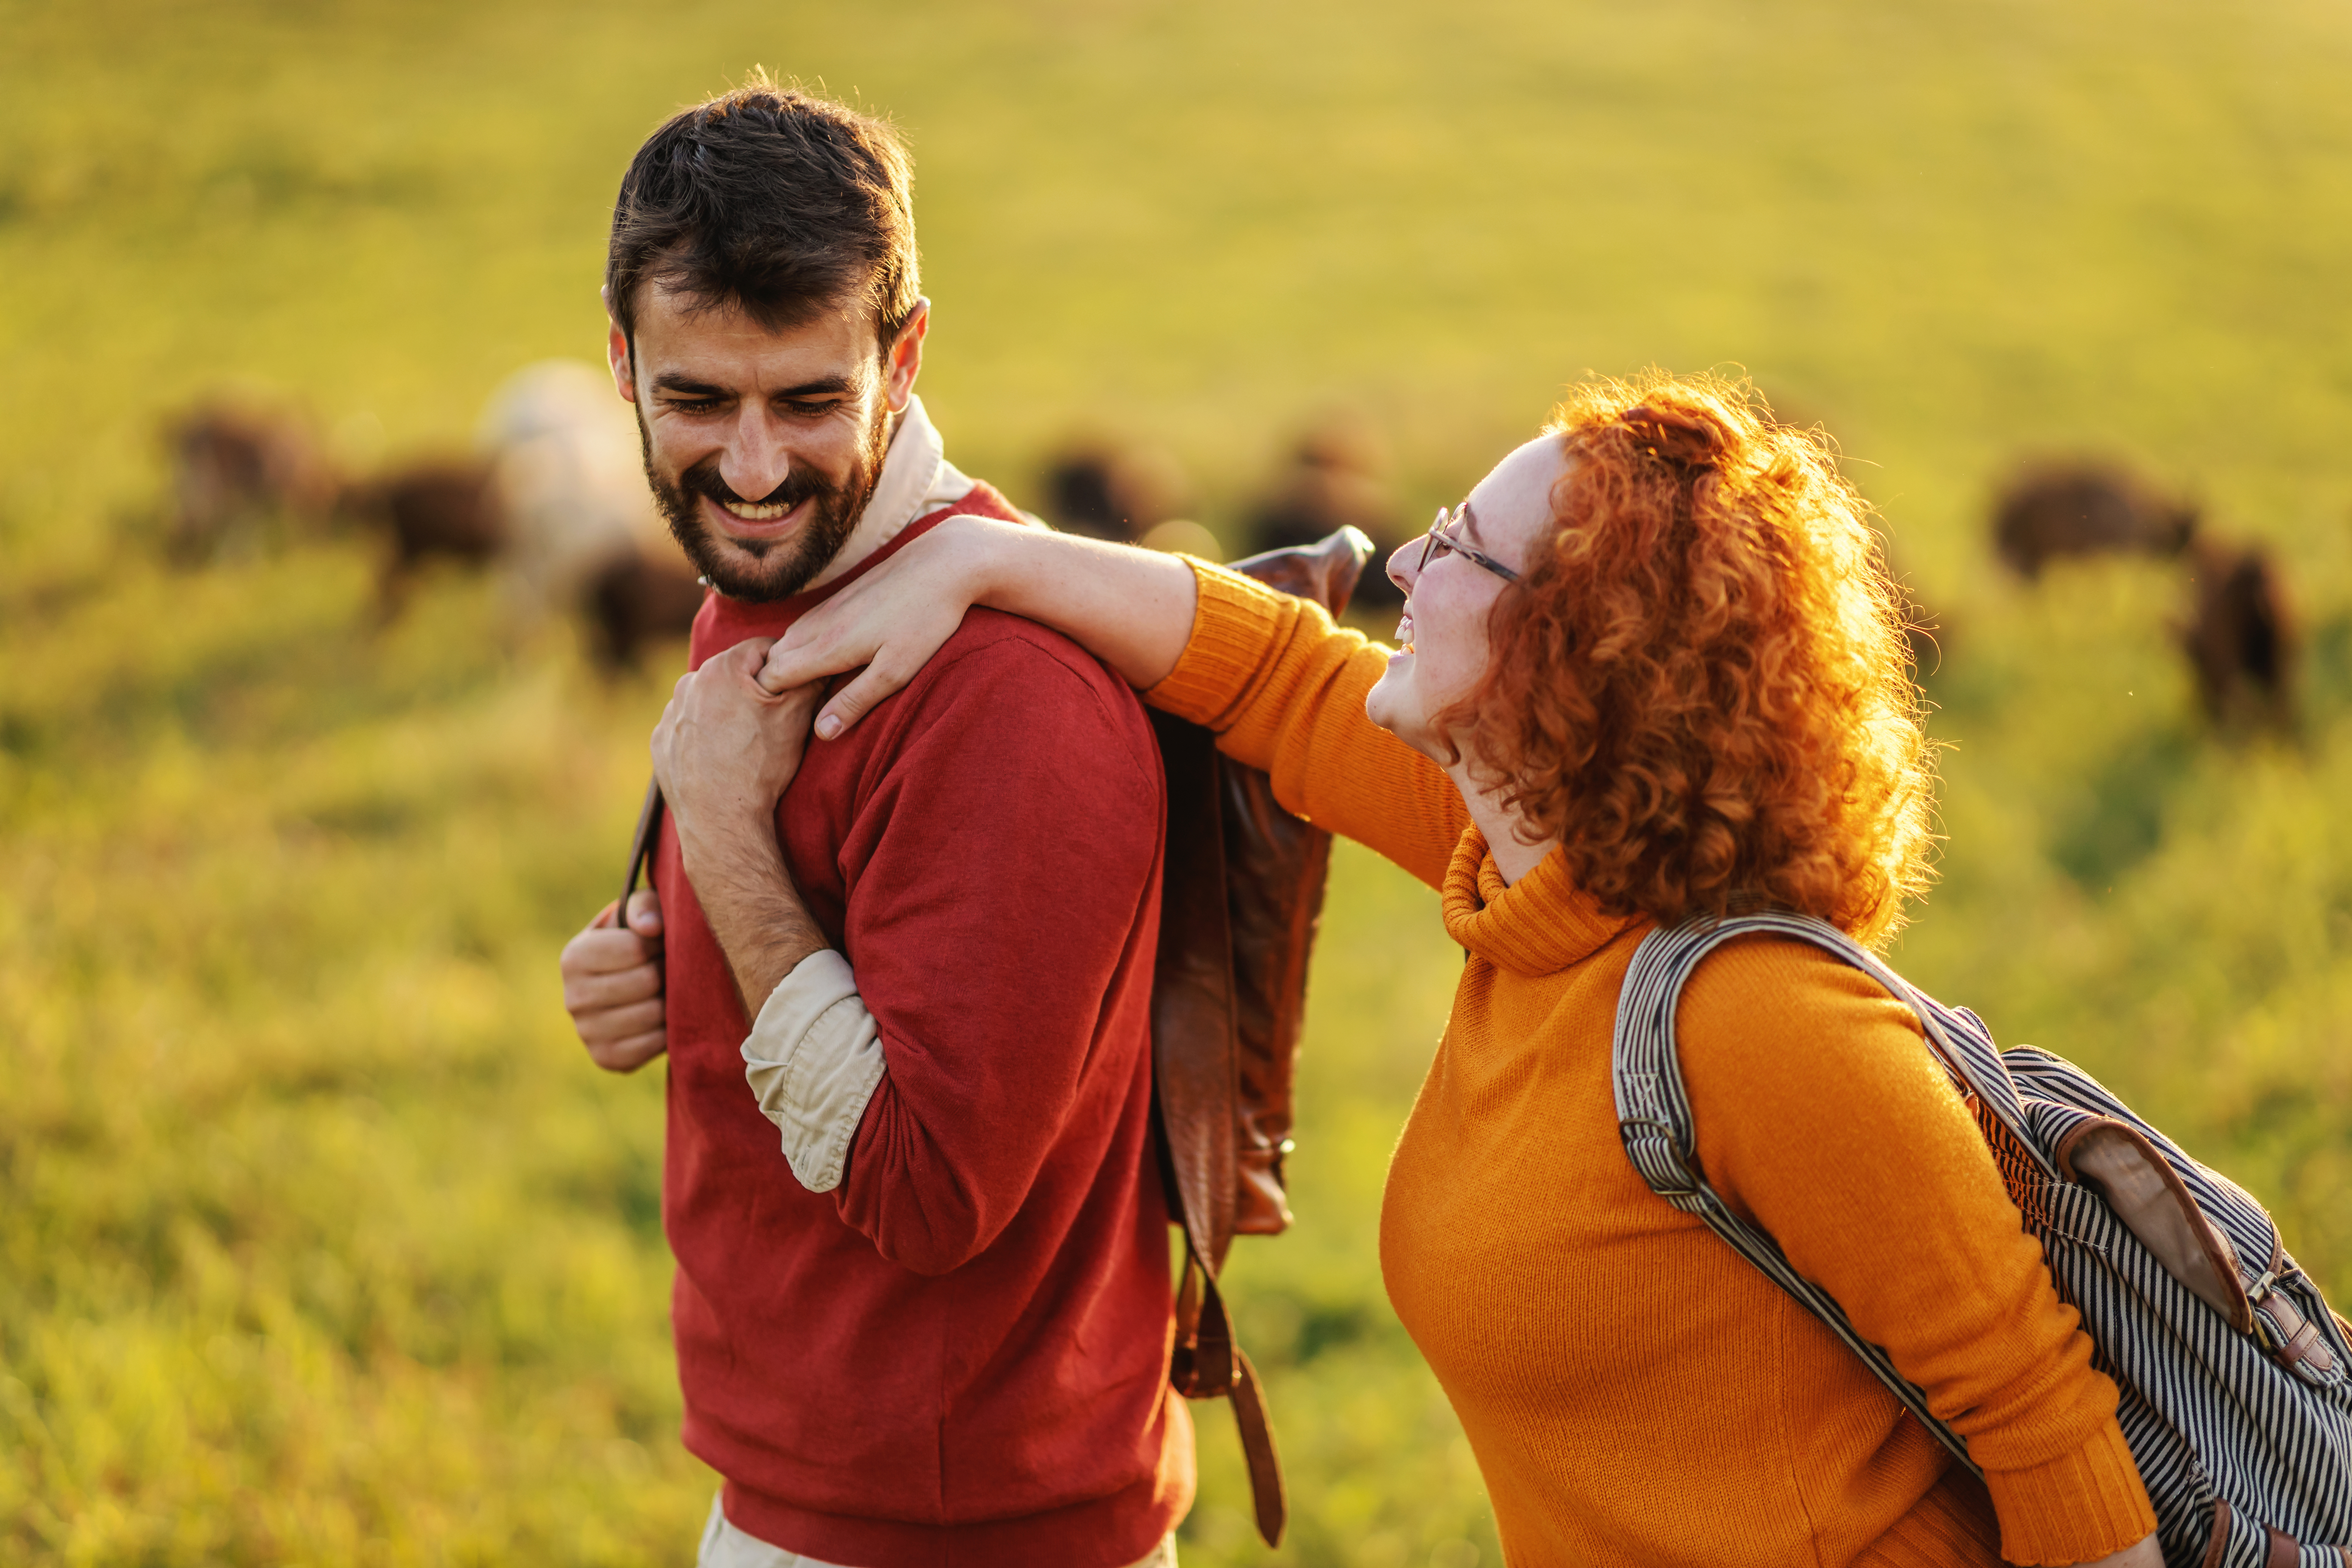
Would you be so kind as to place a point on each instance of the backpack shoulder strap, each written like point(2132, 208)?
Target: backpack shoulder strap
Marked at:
point(1654, 1120)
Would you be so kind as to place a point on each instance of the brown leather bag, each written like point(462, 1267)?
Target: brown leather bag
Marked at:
point(1240, 895)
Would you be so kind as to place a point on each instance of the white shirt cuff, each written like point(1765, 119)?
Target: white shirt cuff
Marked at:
point(813, 1059)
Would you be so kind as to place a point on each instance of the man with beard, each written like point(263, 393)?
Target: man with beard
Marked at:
point(921, 1309)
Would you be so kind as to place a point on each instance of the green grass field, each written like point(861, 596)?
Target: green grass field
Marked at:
point(319, 1240)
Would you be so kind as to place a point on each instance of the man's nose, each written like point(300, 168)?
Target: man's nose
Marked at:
point(755, 461)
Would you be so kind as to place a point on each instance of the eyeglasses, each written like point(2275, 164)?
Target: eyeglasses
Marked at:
point(1439, 542)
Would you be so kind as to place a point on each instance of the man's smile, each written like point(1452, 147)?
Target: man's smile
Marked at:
point(756, 520)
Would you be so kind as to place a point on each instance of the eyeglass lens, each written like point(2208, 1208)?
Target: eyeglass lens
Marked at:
point(1436, 539)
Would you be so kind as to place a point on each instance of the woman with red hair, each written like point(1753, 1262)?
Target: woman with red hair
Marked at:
point(1652, 667)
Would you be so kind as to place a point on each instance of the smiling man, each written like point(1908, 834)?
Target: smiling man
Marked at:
point(921, 1309)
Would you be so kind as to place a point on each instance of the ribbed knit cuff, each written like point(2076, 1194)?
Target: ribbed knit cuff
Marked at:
point(2076, 1508)
point(1237, 623)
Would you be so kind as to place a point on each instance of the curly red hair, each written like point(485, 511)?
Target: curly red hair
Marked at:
point(1702, 685)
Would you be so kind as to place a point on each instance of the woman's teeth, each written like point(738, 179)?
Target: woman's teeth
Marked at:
point(751, 513)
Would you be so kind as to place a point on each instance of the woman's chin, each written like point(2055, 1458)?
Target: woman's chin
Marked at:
point(1395, 705)
point(1389, 702)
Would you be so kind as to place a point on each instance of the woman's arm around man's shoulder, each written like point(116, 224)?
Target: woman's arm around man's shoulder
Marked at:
point(1282, 688)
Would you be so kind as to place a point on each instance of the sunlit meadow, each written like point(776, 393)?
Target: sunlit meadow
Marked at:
point(319, 1242)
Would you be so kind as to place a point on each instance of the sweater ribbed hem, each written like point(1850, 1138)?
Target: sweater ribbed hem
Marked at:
point(1101, 1533)
point(2081, 1505)
point(1237, 621)
point(1953, 1524)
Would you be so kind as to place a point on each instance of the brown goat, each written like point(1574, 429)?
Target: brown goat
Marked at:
point(2054, 510)
point(235, 470)
point(2240, 641)
point(1106, 490)
point(639, 598)
point(434, 509)
point(1335, 476)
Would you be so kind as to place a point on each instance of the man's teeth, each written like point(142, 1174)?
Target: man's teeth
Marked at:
point(751, 513)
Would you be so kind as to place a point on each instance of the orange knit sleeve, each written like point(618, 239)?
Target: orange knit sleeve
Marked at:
point(1282, 688)
point(1822, 1117)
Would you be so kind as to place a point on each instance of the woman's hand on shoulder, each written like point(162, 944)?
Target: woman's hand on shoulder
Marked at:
point(2142, 1553)
point(890, 622)
point(1132, 608)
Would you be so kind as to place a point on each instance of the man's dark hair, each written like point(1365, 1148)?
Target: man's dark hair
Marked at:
point(775, 202)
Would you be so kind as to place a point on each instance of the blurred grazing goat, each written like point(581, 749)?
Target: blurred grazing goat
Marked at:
point(2239, 637)
point(555, 495)
point(2054, 510)
point(434, 509)
point(1334, 477)
point(556, 498)
point(638, 598)
point(2242, 640)
point(1106, 490)
point(583, 530)
point(569, 483)
point(235, 470)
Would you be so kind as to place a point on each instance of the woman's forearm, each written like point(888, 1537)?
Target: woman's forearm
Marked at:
point(1132, 608)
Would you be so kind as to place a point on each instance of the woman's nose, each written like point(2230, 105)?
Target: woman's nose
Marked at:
point(1402, 567)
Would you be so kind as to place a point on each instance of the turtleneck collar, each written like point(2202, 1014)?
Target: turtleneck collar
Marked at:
point(910, 484)
point(1537, 925)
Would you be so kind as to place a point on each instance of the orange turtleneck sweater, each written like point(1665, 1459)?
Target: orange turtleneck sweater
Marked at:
point(1637, 1393)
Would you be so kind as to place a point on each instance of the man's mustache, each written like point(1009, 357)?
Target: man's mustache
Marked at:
point(798, 486)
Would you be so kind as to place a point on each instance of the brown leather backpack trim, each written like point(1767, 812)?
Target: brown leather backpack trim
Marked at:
point(1241, 892)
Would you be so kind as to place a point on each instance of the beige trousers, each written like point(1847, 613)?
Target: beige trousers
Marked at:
point(724, 1546)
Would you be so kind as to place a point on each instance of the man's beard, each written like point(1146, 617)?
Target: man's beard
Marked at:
point(778, 568)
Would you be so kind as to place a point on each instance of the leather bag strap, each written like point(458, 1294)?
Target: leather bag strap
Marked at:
point(641, 850)
point(1266, 1491)
point(1208, 1364)
point(1202, 1365)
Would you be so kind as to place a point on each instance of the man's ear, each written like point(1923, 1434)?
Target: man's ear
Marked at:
point(616, 352)
point(906, 358)
point(624, 371)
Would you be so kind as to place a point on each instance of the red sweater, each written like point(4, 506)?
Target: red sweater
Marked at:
point(960, 1355)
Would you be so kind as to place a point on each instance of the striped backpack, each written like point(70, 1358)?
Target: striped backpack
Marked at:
point(2231, 1368)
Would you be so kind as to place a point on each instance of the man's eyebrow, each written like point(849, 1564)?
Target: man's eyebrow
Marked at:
point(671, 380)
point(824, 386)
point(686, 385)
